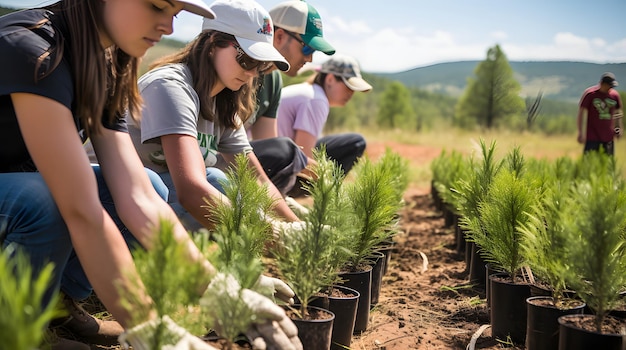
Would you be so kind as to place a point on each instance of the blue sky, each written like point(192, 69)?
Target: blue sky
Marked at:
point(396, 35)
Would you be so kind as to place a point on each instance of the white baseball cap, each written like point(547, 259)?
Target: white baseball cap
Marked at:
point(251, 25)
point(348, 69)
point(198, 7)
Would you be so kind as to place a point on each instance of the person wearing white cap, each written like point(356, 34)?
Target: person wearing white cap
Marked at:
point(196, 101)
point(298, 34)
point(304, 109)
point(601, 107)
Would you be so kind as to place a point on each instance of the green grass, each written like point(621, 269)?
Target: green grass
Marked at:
point(532, 145)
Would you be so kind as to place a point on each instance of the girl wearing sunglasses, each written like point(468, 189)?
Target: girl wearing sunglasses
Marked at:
point(196, 101)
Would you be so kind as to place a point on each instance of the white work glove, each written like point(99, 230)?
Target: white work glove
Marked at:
point(280, 227)
point(272, 329)
point(296, 207)
point(141, 337)
point(276, 287)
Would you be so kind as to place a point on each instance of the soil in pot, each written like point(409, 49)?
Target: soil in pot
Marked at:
point(578, 332)
point(314, 330)
point(542, 330)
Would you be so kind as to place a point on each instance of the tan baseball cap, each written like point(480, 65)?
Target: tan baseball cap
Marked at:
point(348, 69)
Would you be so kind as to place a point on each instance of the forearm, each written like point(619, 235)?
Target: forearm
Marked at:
point(144, 217)
point(109, 266)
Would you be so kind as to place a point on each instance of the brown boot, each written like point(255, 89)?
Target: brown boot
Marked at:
point(85, 327)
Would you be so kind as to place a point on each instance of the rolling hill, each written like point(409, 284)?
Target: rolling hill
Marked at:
point(558, 80)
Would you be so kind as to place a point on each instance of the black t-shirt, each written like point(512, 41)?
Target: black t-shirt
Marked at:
point(24, 58)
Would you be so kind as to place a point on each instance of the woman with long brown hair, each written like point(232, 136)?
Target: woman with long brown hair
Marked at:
point(70, 72)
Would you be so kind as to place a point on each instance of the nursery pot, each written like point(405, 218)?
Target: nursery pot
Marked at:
point(477, 274)
point(314, 333)
point(459, 238)
point(378, 265)
point(542, 327)
point(508, 308)
point(468, 254)
point(489, 270)
point(386, 248)
point(572, 337)
point(342, 302)
point(360, 281)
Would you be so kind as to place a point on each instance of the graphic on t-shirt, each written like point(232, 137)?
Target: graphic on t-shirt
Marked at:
point(604, 106)
point(208, 148)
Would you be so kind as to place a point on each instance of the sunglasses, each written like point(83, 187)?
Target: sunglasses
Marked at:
point(248, 63)
point(306, 49)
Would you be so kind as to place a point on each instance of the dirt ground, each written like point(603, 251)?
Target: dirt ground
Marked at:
point(425, 305)
point(426, 301)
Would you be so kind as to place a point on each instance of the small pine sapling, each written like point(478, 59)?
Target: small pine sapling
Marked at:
point(373, 202)
point(595, 218)
point(25, 317)
point(309, 259)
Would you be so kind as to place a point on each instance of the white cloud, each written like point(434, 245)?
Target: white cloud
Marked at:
point(499, 35)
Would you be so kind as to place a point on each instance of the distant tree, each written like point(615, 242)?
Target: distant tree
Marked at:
point(492, 96)
point(394, 109)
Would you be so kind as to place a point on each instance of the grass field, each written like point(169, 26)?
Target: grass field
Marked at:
point(532, 145)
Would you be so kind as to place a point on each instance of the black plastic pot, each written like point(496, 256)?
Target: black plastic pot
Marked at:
point(489, 270)
point(315, 334)
point(361, 281)
point(378, 266)
point(386, 248)
point(344, 308)
point(477, 274)
point(508, 308)
point(542, 326)
point(572, 337)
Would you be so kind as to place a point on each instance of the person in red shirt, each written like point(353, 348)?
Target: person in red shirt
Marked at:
point(602, 107)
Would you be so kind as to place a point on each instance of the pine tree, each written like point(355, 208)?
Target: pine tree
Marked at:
point(492, 96)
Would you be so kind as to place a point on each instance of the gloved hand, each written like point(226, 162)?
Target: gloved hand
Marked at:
point(276, 287)
point(280, 227)
point(296, 207)
point(272, 328)
point(141, 337)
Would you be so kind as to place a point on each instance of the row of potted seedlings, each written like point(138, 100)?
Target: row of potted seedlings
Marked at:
point(348, 221)
point(552, 235)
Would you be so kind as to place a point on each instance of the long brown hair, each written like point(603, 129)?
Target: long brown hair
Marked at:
point(197, 56)
point(105, 80)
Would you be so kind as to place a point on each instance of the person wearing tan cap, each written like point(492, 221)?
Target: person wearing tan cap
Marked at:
point(601, 106)
point(304, 109)
point(73, 74)
point(298, 34)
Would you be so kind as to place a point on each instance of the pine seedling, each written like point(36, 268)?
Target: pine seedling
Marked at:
point(309, 259)
point(545, 241)
point(241, 231)
point(373, 202)
point(501, 213)
point(24, 317)
point(596, 220)
point(240, 234)
point(456, 169)
point(170, 280)
point(471, 192)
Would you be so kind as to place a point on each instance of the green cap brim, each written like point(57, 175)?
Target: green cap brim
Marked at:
point(318, 43)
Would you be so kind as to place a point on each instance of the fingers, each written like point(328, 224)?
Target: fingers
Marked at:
point(279, 335)
point(263, 307)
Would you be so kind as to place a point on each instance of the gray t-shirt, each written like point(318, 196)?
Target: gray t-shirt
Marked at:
point(172, 106)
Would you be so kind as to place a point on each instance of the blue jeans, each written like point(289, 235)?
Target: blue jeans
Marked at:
point(213, 175)
point(31, 222)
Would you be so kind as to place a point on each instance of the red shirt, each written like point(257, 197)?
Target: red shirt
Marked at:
point(600, 107)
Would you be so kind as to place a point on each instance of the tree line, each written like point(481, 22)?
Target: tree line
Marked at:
point(491, 100)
